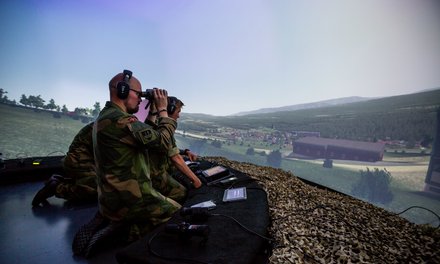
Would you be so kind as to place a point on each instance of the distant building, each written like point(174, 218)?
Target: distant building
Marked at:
point(306, 134)
point(432, 180)
point(327, 148)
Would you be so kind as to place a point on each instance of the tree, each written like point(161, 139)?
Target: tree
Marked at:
point(36, 101)
point(24, 100)
point(274, 159)
point(51, 105)
point(96, 109)
point(374, 186)
point(2, 92)
point(64, 109)
point(80, 111)
point(3, 97)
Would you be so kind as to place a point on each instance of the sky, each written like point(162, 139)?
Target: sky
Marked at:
point(220, 57)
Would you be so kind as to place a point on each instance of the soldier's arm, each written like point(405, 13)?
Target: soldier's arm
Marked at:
point(159, 137)
point(180, 164)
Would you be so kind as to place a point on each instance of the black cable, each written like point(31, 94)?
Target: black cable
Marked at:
point(420, 207)
point(242, 226)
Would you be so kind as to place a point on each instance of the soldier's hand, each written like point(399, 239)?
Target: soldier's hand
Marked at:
point(160, 99)
point(191, 155)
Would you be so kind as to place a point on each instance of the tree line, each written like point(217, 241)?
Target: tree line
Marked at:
point(39, 103)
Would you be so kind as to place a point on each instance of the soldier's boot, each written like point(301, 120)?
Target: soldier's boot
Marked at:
point(108, 236)
point(48, 190)
point(85, 233)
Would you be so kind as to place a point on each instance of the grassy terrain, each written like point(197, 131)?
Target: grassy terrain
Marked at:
point(28, 133)
point(407, 179)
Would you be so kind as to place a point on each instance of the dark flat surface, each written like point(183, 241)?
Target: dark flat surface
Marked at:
point(227, 241)
point(45, 234)
point(41, 235)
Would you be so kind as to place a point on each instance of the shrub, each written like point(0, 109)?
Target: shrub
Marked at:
point(374, 186)
point(250, 151)
point(274, 159)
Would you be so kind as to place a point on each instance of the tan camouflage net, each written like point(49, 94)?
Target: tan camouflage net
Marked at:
point(311, 225)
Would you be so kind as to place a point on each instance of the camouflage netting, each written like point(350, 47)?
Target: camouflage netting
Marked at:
point(311, 225)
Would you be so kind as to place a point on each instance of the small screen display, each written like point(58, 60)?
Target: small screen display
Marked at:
point(214, 171)
point(234, 194)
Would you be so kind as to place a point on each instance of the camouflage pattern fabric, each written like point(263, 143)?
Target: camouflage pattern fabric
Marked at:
point(162, 170)
point(161, 174)
point(79, 167)
point(125, 190)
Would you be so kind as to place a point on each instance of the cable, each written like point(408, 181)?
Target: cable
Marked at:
point(245, 228)
point(420, 207)
point(203, 213)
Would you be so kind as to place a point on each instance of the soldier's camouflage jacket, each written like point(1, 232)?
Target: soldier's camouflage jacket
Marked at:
point(79, 168)
point(121, 146)
point(162, 170)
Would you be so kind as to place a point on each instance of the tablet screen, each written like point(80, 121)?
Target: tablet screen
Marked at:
point(234, 194)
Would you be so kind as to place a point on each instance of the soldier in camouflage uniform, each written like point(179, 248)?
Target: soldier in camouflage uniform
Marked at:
point(161, 171)
point(121, 146)
point(165, 164)
point(79, 182)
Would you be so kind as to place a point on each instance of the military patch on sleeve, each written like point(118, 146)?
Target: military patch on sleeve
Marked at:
point(146, 134)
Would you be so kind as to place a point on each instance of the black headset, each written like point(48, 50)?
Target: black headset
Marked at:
point(123, 87)
point(172, 104)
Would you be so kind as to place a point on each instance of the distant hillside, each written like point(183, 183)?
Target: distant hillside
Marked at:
point(406, 117)
point(331, 102)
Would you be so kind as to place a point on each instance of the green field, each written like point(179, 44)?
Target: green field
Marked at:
point(28, 133)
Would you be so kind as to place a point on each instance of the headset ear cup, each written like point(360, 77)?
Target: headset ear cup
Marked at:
point(172, 105)
point(123, 90)
point(170, 109)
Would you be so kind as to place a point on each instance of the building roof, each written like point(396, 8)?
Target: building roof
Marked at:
point(343, 143)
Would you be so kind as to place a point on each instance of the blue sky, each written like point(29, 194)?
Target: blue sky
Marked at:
point(220, 57)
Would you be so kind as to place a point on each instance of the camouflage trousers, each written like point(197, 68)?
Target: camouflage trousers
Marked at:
point(154, 210)
point(79, 188)
point(169, 187)
point(173, 193)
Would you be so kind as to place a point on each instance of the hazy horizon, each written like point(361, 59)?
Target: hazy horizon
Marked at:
point(220, 57)
point(250, 110)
